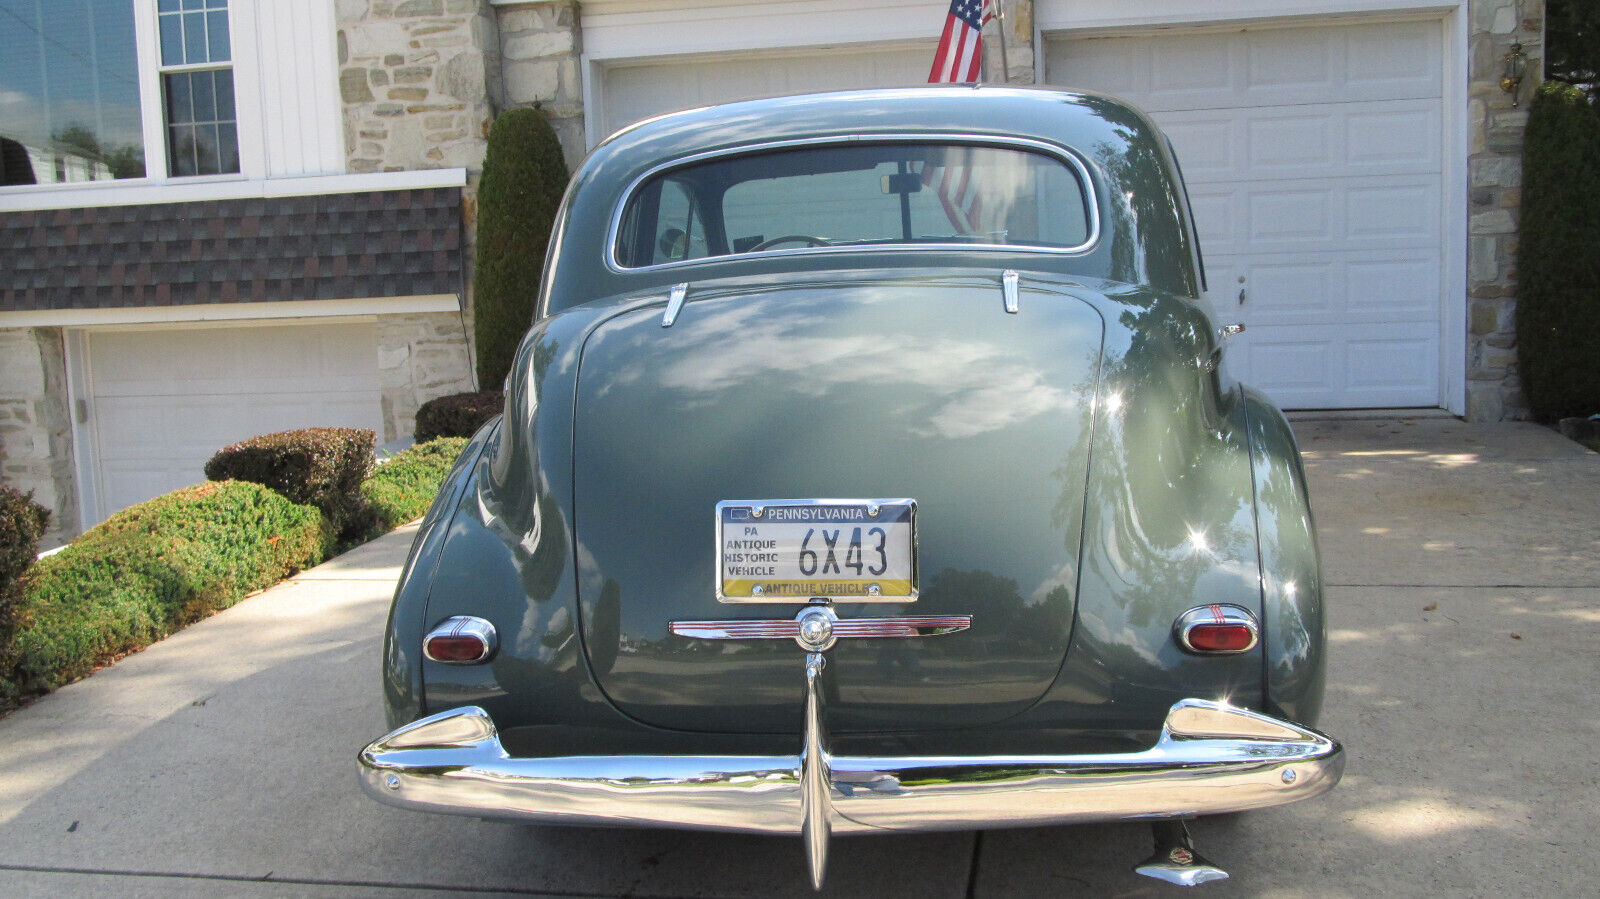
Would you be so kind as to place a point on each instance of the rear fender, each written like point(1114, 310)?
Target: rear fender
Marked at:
point(402, 661)
point(1295, 637)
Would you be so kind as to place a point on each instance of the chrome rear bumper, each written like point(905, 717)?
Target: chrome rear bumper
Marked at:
point(1209, 758)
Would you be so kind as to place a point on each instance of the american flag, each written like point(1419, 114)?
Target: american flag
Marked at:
point(958, 58)
point(960, 50)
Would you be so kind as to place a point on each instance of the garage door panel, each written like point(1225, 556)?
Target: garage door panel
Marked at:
point(1267, 67)
point(1309, 215)
point(163, 401)
point(1392, 289)
point(226, 361)
point(1338, 371)
point(1292, 212)
point(634, 92)
point(1391, 285)
point(1220, 146)
point(1395, 209)
point(1393, 364)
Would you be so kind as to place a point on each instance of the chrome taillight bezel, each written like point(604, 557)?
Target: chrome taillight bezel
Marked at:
point(463, 626)
point(1220, 614)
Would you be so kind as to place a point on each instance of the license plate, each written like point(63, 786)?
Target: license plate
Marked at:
point(792, 550)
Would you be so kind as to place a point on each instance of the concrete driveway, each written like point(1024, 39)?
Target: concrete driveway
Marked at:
point(1464, 571)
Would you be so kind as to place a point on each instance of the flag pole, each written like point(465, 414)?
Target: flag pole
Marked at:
point(1005, 62)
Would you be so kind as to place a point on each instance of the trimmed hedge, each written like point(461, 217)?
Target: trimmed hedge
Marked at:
point(403, 487)
point(322, 467)
point(524, 176)
point(22, 523)
point(1558, 255)
point(457, 415)
point(149, 570)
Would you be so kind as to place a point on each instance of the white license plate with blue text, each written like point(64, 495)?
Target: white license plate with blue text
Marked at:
point(787, 551)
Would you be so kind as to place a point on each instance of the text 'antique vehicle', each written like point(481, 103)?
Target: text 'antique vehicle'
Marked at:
point(868, 468)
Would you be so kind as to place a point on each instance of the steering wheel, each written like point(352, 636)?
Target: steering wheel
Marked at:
point(788, 238)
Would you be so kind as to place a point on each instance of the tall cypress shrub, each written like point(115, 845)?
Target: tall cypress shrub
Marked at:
point(524, 176)
point(1558, 256)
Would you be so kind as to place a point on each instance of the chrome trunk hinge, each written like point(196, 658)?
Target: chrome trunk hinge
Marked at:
point(1011, 286)
point(674, 304)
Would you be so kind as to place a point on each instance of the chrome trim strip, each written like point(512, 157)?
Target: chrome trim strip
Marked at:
point(464, 626)
point(453, 762)
point(674, 304)
point(837, 628)
point(1064, 154)
point(1216, 613)
point(1010, 286)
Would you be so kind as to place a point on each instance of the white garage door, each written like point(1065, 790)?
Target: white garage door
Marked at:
point(634, 92)
point(162, 402)
point(1313, 159)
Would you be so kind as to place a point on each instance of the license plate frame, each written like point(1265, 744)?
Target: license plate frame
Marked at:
point(751, 571)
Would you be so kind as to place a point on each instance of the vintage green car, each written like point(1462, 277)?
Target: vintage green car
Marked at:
point(868, 468)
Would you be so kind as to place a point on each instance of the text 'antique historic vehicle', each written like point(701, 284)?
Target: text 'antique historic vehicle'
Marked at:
point(868, 469)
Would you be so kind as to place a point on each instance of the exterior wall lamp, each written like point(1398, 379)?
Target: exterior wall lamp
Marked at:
point(1516, 66)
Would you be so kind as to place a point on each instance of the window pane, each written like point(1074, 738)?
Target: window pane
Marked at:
point(180, 105)
point(224, 95)
point(171, 40)
point(217, 36)
point(69, 93)
point(228, 145)
point(181, 150)
point(205, 102)
point(863, 196)
point(193, 4)
point(194, 37)
point(205, 144)
point(167, 5)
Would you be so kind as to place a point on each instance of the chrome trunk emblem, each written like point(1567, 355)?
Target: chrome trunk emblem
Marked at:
point(817, 627)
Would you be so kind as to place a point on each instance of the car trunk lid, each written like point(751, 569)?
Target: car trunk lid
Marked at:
point(889, 387)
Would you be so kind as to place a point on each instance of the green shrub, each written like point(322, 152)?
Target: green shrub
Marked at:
point(403, 487)
point(149, 570)
point(1572, 43)
point(524, 176)
point(457, 415)
point(22, 523)
point(1558, 265)
point(322, 467)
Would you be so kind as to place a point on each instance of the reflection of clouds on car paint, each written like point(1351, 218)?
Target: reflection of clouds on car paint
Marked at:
point(968, 387)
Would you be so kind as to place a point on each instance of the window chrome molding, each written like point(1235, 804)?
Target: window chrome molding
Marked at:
point(1065, 155)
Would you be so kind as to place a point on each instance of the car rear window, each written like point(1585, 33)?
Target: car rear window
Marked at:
point(855, 196)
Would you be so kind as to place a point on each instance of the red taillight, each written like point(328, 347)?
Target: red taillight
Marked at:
point(1217, 628)
point(463, 648)
point(1221, 637)
point(462, 640)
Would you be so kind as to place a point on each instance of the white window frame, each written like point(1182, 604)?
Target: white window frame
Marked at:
point(162, 69)
point(152, 105)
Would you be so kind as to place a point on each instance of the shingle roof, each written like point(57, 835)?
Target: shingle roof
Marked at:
point(330, 246)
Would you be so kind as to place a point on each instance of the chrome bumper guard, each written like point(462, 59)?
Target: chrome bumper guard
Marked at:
point(1210, 758)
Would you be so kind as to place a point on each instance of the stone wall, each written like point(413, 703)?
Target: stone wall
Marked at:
point(1496, 121)
point(1018, 24)
point(35, 432)
point(420, 356)
point(419, 81)
point(540, 46)
point(414, 78)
